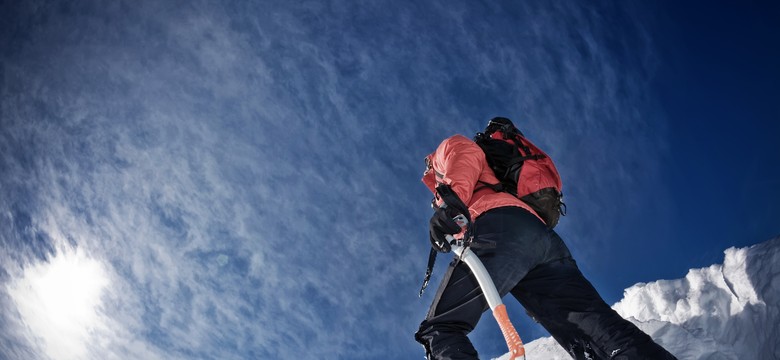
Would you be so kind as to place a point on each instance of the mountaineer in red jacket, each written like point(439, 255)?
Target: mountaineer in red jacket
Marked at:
point(529, 260)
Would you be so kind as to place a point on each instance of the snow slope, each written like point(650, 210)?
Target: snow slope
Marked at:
point(728, 311)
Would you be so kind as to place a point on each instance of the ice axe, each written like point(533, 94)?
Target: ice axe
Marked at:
point(462, 251)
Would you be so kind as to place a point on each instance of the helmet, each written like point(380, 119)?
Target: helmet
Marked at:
point(503, 125)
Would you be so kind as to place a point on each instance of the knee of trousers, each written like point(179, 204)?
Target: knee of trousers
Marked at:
point(446, 345)
point(430, 329)
point(440, 333)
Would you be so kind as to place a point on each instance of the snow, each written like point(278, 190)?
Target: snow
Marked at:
point(724, 311)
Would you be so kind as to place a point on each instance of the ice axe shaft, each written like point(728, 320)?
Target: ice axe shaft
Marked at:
point(513, 341)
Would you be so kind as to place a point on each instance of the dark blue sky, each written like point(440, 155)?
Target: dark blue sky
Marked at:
point(245, 176)
point(718, 86)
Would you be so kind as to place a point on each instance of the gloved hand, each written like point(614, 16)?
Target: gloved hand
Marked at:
point(442, 224)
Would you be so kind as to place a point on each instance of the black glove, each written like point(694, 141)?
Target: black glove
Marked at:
point(442, 225)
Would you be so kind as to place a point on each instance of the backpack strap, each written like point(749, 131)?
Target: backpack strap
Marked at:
point(519, 143)
point(520, 159)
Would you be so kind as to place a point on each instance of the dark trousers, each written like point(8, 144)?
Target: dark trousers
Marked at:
point(533, 264)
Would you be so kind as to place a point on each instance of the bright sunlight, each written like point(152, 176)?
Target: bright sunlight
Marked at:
point(59, 301)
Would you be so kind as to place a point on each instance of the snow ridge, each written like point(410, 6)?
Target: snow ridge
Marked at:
point(724, 311)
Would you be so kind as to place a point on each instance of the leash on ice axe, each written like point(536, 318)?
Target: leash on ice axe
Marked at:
point(461, 249)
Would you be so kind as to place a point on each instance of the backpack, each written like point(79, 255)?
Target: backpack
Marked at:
point(523, 169)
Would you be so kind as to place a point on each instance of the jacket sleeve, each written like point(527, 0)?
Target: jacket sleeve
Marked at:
point(459, 163)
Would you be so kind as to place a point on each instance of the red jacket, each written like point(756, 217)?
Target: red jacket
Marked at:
point(461, 164)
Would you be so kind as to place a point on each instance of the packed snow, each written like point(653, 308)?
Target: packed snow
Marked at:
point(725, 311)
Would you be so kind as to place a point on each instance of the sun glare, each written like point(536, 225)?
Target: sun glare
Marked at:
point(59, 301)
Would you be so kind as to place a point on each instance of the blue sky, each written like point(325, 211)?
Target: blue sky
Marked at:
point(242, 180)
